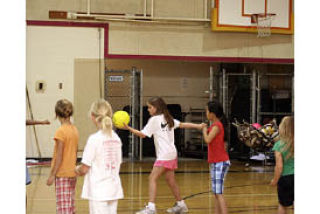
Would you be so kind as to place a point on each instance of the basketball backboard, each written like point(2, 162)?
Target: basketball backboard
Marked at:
point(235, 15)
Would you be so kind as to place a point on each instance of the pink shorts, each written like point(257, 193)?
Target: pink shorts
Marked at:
point(168, 164)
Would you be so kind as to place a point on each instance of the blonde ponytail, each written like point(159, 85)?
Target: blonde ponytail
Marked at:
point(102, 112)
point(106, 125)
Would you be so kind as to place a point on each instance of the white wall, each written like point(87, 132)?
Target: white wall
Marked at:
point(39, 9)
point(50, 57)
point(196, 40)
point(177, 39)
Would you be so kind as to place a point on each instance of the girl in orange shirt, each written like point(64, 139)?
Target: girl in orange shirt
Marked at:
point(64, 159)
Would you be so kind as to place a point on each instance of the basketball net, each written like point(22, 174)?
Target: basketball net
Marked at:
point(263, 23)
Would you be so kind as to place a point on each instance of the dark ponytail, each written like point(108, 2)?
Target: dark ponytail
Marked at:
point(161, 107)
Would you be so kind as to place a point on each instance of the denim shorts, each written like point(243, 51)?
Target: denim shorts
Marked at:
point(218, 172)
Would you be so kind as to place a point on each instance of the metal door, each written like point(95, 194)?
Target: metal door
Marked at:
point(123, 89)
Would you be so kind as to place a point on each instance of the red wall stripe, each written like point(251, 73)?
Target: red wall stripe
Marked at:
point(205, 58)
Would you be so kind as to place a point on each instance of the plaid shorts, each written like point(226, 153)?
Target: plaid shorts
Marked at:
point(218, 172)
point(65, 195)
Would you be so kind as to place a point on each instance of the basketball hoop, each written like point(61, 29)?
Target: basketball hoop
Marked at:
point(263, 23)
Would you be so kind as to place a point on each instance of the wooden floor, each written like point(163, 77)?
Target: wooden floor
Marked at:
point(247, 189)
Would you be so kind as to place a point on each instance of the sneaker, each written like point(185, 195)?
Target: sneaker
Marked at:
point(178, 209)
point(146, 210)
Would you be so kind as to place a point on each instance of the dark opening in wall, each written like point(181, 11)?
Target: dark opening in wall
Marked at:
point(40, 86)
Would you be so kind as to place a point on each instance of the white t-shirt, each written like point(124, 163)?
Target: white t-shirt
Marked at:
point(163, 136)
point(104, 156)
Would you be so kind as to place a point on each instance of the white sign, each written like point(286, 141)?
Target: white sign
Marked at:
point(115, 78)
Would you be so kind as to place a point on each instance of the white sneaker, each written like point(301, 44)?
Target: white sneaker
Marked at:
point(178, 209)
point(146, 210)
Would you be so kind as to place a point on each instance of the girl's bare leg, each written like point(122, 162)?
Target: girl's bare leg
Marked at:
point(153, 177)
point(171, 181)
point(221, 204)
point(281, 209)
point(217, 209)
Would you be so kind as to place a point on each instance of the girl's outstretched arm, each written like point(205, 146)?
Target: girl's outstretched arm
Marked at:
point(191, 125)
point(277, 169)
point(37, 122)
point(134, 131)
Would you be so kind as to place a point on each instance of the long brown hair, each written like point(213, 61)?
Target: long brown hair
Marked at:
point(286, 133)
point(161, 108)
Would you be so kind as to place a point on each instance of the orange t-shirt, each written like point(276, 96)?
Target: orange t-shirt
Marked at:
point(69, 136)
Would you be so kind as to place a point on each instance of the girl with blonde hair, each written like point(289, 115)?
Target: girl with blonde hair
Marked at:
point(284, 169)
point(101, 160)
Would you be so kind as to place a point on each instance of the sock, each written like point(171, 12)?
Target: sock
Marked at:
point(180, 203)
point(152, 205)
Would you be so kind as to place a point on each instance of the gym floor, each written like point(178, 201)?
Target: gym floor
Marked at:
point(247, 189)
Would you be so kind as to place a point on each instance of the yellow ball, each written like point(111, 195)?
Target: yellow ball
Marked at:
point(119, 118)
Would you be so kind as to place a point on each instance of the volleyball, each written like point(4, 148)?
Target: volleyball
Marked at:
point(119, 118)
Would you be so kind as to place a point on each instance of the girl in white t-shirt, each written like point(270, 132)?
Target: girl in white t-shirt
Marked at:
point(161, 126)
point(101, 160)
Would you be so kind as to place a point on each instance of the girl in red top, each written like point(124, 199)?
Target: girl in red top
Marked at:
point(217, 156)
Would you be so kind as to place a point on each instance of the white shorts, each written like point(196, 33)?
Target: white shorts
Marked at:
point(103, 207)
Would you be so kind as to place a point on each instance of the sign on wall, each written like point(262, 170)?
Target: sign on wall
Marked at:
point(115, 78)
